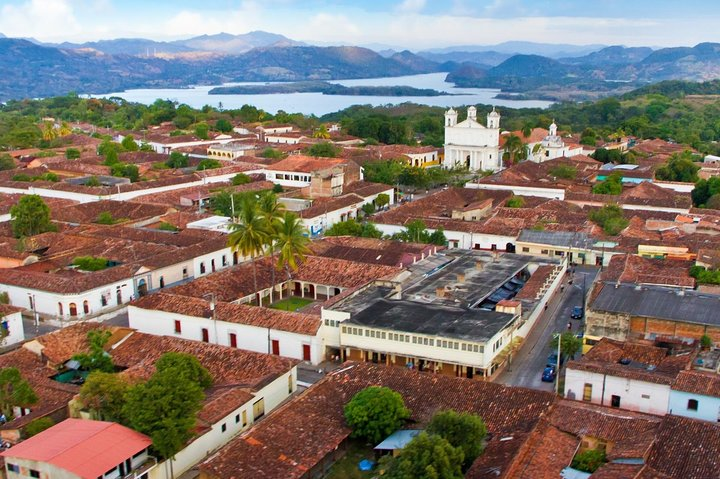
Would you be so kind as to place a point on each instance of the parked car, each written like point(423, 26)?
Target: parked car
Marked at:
point(552, 360)
point(577, 312)
point(548, 374)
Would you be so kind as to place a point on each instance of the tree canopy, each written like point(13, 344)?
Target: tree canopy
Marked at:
point(462, 430)
point(610, 218)
point(375, 412)
point(105, 394)
point(427, 456)
point(30, 217)
point(97, 359)
point(15, 391)
point(569, 344)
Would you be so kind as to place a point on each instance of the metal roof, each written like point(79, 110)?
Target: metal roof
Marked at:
point(565, 239)
point(657, 302)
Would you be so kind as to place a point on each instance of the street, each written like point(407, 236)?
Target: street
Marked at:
point(529, 361)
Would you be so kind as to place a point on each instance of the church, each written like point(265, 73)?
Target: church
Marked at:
point(472, 144)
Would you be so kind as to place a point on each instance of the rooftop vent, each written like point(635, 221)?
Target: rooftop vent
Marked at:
point(625, 361)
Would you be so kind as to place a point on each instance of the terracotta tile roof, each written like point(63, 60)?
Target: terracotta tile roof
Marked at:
point(710, 257)
point(528, 173)
point(7, 310)
point(233, 313)
point(366, 188)
point(371, 250)
point(617, 471)
point(636, 269)
point(698, 382)
point(305, 164)
point(88, 212)
point(536, 136)
point(292, 440)
point(604, 358)
point(686, 448)
point(536, 282)
point(237, 282)
point(499, 455)
point(322, 206)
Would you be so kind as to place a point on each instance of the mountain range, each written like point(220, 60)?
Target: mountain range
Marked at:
point(39, 70)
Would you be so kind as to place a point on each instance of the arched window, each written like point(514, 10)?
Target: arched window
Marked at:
point(86, 307)
point(60, 309)
point(73, 309)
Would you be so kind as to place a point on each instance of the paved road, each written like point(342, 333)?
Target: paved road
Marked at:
point(528, 363)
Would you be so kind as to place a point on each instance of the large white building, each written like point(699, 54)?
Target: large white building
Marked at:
point(472, 144)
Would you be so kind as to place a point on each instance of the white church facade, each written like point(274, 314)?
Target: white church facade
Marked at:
point(472, 144)
point(551, 147)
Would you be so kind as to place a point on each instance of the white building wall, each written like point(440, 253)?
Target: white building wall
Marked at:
point(634, 395)
point(551, 193)
point(14, 325)
point(251, 338)
point(708, 406)
point(273, 395)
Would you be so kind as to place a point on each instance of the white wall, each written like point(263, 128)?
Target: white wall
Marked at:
point(273, 394)
point(708, 406)
point(251, 338)
point(634, 395)
point(551, 193)
point(16, 333)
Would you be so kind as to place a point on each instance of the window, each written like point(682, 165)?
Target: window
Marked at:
point(205, 335)
point(185, 275)
point(162, 282)
point(86, 307)
point(615, 401)
point(223, 428)
point(543, 251)
point(224, 260)
point(233, 340)
point(244, 418)
point(73, 309)
point(202, 268)
point(237, 418)
point(34, 473)
point(344, 329)
point(526, 249)
point(60, 309)
point(587, 392)
point(290, 384)
point(692, 404)
point(259, 408)
point(13, 468)
point(178, 327)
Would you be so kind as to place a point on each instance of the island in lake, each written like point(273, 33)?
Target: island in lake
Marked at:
point(325, 88)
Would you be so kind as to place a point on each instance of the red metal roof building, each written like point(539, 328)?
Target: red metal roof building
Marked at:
point(80, 448)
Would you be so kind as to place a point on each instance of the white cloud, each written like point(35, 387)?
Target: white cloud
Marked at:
point(411, 6)
point(43, 19)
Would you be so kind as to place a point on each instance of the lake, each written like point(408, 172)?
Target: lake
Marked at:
point(319, 104)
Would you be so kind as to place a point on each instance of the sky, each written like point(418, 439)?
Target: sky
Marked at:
point(412, 24)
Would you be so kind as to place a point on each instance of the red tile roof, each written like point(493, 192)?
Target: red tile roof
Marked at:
point(305, 164)
point(698, 382)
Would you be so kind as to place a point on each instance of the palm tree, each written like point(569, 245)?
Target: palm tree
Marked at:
point(271, 212)
point(292, 242)
point(526, 130)
point(249, 233)
point(513, 147)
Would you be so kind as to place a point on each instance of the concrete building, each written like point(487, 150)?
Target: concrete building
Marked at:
point(470, 144)
point(11, 324)
point(696, 394)
point(81, 449)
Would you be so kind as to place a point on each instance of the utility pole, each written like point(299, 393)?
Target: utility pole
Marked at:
point(557, 374)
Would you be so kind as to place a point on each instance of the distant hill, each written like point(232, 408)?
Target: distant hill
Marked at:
point(550, 50)
point(615, 55)
point(128, 46)
point(488, 58)
point(415, 63)
point(40, 71)
point(235, 44)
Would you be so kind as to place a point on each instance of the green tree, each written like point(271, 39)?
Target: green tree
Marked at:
point(111, 158)
point(569, 344)
point(565, 172)
point(97, 359)
point(241, 179)
point(126, 171)
point(165, 226)
point(437, 237)
point(272, 154)
point(128, 143)
point(704, 190)
point(36, 426)
point(382, 200)
point(611, 186)
point(589, 460)
point(223, 125)
point(105, 395)
point(293, 243)
point(15, 391)
point(368, 209)
point(324, 149)
point(462, 430)
point(680, 167)
point(272, 214)
point(165, 408)
point(208, 164)
point(201, 131)
point(376, 412)
point(386, 172)
point(177, 160)
point(321, 132)
point(610, 218)
point(514, 148)
point(706, 341)
point(249, 234)
point(6, 162)
point(93, 181)
point(30, 217)
point(427, 456)
point(185, 367)
point(72, 153)
point(105, 218)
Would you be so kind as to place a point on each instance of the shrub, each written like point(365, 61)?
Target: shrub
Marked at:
point(72, 153)
point(208, 164)
point(610, 218)
point(90, 263)
point(272, 153)
point(241, 179)
point(563, 171)
point(515, 202)
point(105, 218)
point(4, 298)
point(463, 430)
point(589, 460)
point(277, 189)
point(165, 226)
point(36, 426)
point(93, 181)
point(177, 160)
point(706, 341)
